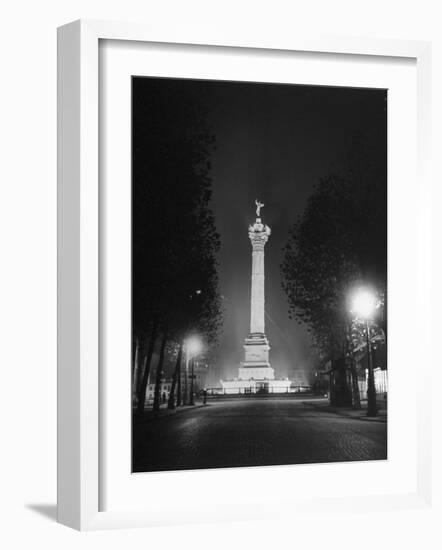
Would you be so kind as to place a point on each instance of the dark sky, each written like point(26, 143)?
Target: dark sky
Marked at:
point(274, 142)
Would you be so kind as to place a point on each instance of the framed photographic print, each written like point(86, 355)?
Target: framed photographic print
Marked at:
point(235, 246)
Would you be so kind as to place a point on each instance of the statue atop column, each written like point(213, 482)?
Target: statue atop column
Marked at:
point(259, 232)
point(259, 205)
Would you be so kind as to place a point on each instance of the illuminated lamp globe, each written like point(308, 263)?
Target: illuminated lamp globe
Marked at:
point(364, 304)
point(194, 345)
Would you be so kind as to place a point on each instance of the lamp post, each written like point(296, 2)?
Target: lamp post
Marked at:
point(193, 348)
point(192, 375)
point(364, 305)
point(186, 376)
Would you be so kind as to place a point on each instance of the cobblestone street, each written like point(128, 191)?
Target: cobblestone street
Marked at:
point(255, 431)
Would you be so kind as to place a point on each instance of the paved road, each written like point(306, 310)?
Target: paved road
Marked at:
point(252, 432)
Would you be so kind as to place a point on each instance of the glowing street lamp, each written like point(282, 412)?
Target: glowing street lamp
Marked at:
point(364, 305)
point(193, 348)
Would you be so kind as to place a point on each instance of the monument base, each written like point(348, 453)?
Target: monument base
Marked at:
point(256, 348)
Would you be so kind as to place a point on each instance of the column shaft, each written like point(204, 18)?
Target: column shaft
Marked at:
point(257, 313)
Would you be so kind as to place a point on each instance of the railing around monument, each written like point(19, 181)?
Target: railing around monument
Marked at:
point(253, 391)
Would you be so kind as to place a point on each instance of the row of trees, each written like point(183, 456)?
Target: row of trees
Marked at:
point(338, 243)
point(175, 283)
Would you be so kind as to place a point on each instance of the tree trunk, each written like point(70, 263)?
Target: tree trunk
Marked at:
point(142, 369)
point(135, 370)
point(176, 376)
point(332, 392)
point(156, 399)
point(134, 361)
point(342, 391)
point(179, 395)
point(148, 360)
point(354, 384)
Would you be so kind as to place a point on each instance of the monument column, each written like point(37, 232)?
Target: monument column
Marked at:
point(255, 374)
point(256, 364)
point(258, 234)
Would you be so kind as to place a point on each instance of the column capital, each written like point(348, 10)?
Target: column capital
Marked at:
point(259, 234)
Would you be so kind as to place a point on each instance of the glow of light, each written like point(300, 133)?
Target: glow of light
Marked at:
point(364, 304)
point(194, 345)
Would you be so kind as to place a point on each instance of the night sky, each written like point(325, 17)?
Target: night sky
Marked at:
point(274, 143)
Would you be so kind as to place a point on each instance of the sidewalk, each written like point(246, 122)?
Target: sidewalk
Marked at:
point(149, 415)
point(349, 412)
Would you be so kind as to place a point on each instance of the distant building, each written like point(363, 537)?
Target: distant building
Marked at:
point(164, 391)
point(200, 371)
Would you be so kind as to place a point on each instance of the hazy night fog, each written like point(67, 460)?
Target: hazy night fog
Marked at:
point(274, 143)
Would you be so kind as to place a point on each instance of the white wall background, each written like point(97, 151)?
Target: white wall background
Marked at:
point(28, 266)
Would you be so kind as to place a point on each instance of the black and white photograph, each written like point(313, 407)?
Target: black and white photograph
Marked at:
point(259, 274)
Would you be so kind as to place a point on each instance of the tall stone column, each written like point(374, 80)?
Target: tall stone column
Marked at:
point(256, 363)
point(255, 375)
point(258, 234)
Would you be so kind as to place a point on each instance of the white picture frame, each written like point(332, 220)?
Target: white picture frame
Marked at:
point(79, 263)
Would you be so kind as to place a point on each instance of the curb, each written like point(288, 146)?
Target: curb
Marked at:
point(377, 419)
